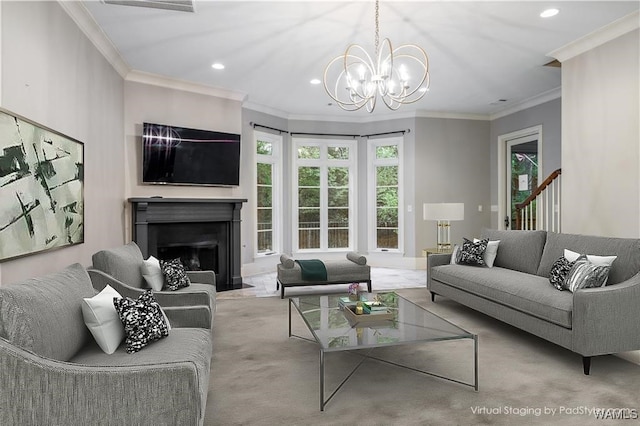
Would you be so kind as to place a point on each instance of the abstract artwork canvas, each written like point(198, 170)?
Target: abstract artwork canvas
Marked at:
point(41, 188)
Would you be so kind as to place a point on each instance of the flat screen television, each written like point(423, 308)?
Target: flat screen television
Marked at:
point(181, 156)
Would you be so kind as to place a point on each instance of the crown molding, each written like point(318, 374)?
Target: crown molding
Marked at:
point(266, 110)
point(547, 96)
point(187, 86)
point(346, 118)
point(451, 115)
point(598, 37)
point(83, 19)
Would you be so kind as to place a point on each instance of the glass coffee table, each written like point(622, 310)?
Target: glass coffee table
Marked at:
point(334, 331)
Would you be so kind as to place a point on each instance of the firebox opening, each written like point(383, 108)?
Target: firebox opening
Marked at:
point(197, 256)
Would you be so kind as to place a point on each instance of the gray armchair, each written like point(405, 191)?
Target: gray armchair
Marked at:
point(120, 268)
point(54, 373)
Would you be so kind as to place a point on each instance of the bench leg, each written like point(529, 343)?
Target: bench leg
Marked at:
point(586, 364)
point(277, 285)
point(281, 291)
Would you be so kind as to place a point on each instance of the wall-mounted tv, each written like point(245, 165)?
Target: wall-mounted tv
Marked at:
point(181, 156)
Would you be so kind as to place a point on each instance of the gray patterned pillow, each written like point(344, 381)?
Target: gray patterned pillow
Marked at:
point(175, 274)
point(142, 319)
point(585, 274)
point(471, 253)
point(559, 272)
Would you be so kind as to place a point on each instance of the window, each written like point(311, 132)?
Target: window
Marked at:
point(385, 195)
point(268, 193)
point(324, 199)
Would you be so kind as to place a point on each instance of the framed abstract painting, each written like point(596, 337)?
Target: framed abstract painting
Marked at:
point(41, 188)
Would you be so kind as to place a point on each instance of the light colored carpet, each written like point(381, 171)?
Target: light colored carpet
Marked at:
point(260, 376)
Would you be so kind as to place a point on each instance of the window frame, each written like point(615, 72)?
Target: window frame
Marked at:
point(276, 161)
point(372, 164)
point(324, 163)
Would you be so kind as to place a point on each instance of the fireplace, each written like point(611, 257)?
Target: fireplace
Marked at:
point(203, 233)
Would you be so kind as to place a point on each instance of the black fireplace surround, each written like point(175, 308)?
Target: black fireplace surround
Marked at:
point(203, 232)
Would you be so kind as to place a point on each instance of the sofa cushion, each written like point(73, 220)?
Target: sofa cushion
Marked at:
point(102, 319)
point(122, 263)
point(184, 345)
point(143, 320)
point(585, 274)
point(523, 292)
point(559, 272)
point(152, 273)
point(174, 273)
point(44, 315)
point(627, 249)
point(519, 250)
point(472, 252)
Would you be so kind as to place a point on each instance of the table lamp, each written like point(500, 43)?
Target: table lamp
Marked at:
point(443, 213)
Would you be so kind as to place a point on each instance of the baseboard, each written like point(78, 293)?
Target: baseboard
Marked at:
point(631, 356)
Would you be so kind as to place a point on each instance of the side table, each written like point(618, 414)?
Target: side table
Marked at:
point(426, 252)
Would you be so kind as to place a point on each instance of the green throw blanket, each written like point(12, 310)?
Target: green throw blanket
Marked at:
point(313, 270)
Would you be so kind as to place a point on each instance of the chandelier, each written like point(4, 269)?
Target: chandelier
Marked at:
point(399, 76)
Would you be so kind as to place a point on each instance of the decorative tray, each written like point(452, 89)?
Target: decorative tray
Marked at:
point(349, 313)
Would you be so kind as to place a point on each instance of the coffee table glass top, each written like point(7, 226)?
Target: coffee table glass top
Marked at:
point(411, 323)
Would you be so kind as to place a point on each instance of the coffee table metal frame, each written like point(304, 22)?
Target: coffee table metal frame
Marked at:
point(295, 302)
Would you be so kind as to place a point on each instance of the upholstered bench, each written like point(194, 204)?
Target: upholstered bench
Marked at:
point(353, 269)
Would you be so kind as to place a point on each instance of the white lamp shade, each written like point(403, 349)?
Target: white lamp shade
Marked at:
point(443, 211)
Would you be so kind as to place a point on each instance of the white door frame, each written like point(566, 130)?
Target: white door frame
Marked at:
point(502, 158)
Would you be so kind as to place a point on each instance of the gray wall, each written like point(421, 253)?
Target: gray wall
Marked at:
point(548, 115)
point(52, 74)
point(601, 139)
point(452, 166)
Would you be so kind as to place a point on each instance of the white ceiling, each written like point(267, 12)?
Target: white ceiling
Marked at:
point(479, 51)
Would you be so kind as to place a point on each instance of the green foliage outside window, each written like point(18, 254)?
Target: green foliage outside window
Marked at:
point(264, 148)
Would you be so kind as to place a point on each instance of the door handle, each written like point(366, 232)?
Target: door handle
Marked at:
point(506, 222)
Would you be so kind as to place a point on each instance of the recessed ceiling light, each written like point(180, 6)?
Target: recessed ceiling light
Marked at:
point(217, 66)
point(549, 13)
point(315, 81)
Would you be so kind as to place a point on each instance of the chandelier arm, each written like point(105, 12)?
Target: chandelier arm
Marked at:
point(364, 80)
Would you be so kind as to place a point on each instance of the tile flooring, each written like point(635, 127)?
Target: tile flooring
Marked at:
point(264, 285)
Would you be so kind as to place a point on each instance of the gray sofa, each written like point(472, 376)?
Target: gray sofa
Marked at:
point(120, 267)
point(53, 372)
point(516, 290)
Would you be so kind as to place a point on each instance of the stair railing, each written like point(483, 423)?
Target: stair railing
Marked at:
point(541, 209)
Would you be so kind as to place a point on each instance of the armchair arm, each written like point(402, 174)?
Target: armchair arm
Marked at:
point(434, 260)
point(184, 297)
point(202, 277)
point(38, 390)
point(189, 316)
point(605, 319)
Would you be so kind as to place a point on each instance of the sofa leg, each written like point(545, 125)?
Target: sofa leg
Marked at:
point(433, 297)
point(586, 364)
point(369, 286)
point(282, 292)
point(277, 285)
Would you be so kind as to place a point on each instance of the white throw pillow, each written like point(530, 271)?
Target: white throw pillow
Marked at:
point(103, 320)
point(454, 255)
point(490, 253)
point(572, 256)
point(152, 273)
